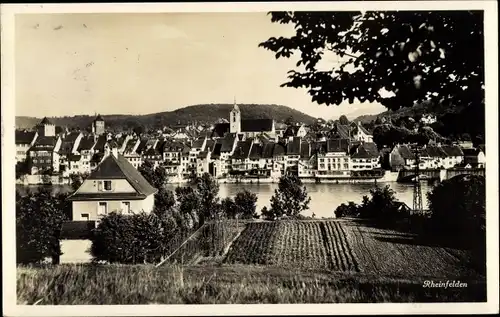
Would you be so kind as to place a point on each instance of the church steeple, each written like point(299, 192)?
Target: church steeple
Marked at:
point(235, 119)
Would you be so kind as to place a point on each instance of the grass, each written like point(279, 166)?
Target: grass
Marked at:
point(236, 284)
point(338, 261)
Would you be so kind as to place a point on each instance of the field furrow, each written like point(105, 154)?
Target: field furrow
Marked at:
point(345, 246)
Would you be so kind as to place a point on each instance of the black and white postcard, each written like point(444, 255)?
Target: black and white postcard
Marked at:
point(250, 158)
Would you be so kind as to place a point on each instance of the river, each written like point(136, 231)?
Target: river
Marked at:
point(324, 197)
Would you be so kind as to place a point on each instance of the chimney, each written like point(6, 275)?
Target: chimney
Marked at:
point(114, 151)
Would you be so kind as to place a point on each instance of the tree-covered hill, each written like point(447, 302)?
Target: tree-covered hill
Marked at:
point(202, 114)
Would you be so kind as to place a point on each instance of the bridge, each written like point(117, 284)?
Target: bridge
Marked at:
point(439, 174)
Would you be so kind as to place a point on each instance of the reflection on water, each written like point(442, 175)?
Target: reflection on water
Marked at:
point(324, 197)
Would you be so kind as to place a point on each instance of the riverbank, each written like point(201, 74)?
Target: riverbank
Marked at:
point(235, 284)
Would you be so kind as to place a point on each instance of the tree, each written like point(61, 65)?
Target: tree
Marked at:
point(245, 202)
point(138, 130)
point(290, 198)
point(39, 218)
point(381, 206)
point(290, 121)
point(229, 208)
point(458, 207)
point(412, 55)
point(155, 176)
point(189, 200)
point(75, 181)
point(343, 120)
point(164, 201)
point(208, 191)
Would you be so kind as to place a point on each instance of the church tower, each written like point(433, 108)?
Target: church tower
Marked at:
point(98, 125)
point(235, 119)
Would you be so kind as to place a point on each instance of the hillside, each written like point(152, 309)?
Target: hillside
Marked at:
point(206, 113)
point(416, 110)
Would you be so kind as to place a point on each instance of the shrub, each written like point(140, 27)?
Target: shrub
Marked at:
point(347, 210)
point(245, 202)
point(75, 181)
point(289, 199)
point(129, 239)
point(458, 208)
point(381, 206)
point(39, 219)
point(229, 208)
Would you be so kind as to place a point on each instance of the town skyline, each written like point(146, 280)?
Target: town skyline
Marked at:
point(93, 58)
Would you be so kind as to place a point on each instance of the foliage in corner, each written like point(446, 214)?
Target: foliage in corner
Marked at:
point(412, 55)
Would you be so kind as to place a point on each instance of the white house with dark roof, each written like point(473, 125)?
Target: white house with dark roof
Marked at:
point(115, 185)
point(24, 140)
point(43, 156)
point(360, 133)
point(333, 158)
point(364, 156)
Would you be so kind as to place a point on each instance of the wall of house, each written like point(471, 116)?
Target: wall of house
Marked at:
point(117, 186)
point(75, 251)
point(91, 207)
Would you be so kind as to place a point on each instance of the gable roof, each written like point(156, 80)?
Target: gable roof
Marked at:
point(256, 125)
point(337, 145)
point(305, 150)
point(142, 146)
point(256, 151)
point(342, 131)
point(198, 143)
point(217, 149)
point(120, 168)
point(405, 152)
point(101, 142)
point(279, 149)
point(86, 143)
point(45, 120)
point(209, 145)
point(267, 151)
point(452, 150)
point(435, 151)
point(24, 137)
point(364, 150)
point(242, 150)
point(293, 147)
point(44, 143)
point(72, 136)
point(228, 142)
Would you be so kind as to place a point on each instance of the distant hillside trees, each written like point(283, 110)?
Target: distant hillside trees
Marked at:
point(203, 114)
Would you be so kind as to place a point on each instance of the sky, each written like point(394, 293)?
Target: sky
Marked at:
point(122, 63)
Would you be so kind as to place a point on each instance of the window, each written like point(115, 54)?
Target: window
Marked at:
point(125, 207)
point(102, 208)
point(85, 217)
point(107, 185)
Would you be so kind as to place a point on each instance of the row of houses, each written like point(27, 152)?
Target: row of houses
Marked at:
point(436, 157)
point(252, 148)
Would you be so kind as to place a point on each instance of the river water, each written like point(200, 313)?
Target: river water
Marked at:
point(325, 198)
